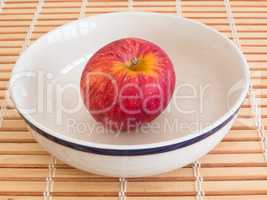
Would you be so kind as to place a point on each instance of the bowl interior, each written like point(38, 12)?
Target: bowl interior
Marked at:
point(209, 73)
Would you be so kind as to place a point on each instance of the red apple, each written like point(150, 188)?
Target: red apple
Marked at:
point(127, 83)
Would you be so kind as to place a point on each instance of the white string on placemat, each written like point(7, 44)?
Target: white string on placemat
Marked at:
point(178, 7)
point(252, 95)
point(232, 24)
point(3, 109)
point(123, 189)
point(130, 5)
point(28, 37)
point(83, 8)
point(2, 3)
point(49, 186)
point(200, 194)
point(258, 121)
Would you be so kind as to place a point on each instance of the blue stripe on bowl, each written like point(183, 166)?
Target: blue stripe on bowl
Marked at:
point(131, 152)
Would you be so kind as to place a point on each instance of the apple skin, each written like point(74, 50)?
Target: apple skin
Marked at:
point(127, 83)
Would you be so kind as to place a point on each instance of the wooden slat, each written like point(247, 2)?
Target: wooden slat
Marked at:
point(236, 160)
point(237, 147)
point(225, 197)
point(11, 114)
point(244, 135)
point(20, 174)
point(13, 125)
point(244, 124)
point(16, 137)
point(28, 161)
point(234, 173)
point(202, 3)
point(235, 187)
point(20, 5)
point(62, 198)
point(58, 198)
point(21, 149)
point(11, 44)
point(3, 85)
point(14, 197)
point(85, 188)
point(15, 23)
point(174, 188)
point(25, 187)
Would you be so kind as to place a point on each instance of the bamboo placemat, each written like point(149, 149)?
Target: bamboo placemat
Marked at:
point(236, 169)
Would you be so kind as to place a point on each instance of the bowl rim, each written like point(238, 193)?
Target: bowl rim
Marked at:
point(125, 149)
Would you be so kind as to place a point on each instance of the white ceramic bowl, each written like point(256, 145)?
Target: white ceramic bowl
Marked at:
point(212, 81)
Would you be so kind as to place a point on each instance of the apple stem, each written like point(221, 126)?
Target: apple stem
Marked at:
point(134, 61)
